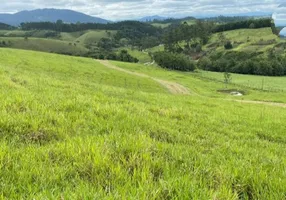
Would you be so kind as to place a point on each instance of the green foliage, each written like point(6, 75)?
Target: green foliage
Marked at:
point(251, 23)
point(174, 61)
point(6, 27)
point(45, 45)
point(200, 31)
point(227, 78)
point(126, 57)
point(244, 63)
point(228, 45)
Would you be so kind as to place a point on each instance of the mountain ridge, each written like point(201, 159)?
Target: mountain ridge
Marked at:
point(49, 15)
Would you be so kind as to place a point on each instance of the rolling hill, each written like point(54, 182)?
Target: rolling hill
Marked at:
point(77, 128)
point(49, 15)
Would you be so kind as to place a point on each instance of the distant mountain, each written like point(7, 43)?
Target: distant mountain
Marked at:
point(49, 15)
point(152, 18)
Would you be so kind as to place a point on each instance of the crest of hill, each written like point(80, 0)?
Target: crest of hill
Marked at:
point(49, 15)
point(152, 18)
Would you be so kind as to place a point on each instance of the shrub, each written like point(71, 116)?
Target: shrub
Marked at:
point(205, 63)
point(228, 45)
point(126, 57)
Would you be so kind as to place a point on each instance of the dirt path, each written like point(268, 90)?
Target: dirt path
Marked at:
point(176, 88)
point(173, 88)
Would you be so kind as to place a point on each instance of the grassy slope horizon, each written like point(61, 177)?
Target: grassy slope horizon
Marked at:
point(71, 128)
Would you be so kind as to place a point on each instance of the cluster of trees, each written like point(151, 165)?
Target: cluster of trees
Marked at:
point(136, 33)
point(123, 56)
point(190, 35)
point(6, 26)
point(193, 36)
point(251, 64)
point(173, 20)
point(174, 61)
point(226, 19)
point(64, 27)
point(251, 23)
point(5, 44)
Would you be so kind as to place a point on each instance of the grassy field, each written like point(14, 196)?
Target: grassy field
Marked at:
point(90, 37)
point(258, 82)
point(142, 56)
point(206, 86)
point(72, 129)
point(161, 25)
point(247, 40)
point(74, 43)
point(45, 45)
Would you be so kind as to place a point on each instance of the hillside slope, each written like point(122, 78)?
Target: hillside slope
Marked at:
point(71, 128)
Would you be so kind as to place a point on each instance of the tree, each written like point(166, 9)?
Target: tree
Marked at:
point(174, 61)
point(228, 45)
point(252, 26)
point(222, 38)
point(227, 78)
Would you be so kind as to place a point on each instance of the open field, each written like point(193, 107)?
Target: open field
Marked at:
point(83, 38)
point(204, 86)
point(90, 37)
point(258, 82)
point(247, 40)
point(161, 25)
point(45, 45)
point(72, 128)
point(142, 56)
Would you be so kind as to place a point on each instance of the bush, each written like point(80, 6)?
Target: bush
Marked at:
point(174, 61)
point(228, 45)
point(126, 57)
point(205, 63)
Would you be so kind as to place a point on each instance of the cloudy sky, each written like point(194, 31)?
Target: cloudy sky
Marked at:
point(131, 9)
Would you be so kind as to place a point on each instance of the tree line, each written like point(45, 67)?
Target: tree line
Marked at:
point(6, 26)
point(245, 63)
point(244, 24)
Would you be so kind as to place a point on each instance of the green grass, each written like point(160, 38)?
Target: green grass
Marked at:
point(204, 85)
point(259, 82)
point(248, 40)
point(161, 25)
point(67, 135)
point(142, 56)
point(74, 43)
point(91, 37)
point(155, 49)
point(241, 35)
point(45, 45)
point(79, 71)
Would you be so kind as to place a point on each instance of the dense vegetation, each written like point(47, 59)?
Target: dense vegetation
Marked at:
point(123, 55)
point(251, 23)
point(192, 35)
point(244, 63)
point(5, 26)
point(189, 39)
point(174, 61)
point(228, 19)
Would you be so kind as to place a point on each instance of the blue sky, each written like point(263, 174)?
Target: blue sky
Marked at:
point(131, 9)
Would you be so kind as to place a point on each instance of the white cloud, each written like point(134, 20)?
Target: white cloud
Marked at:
point(130, 9)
